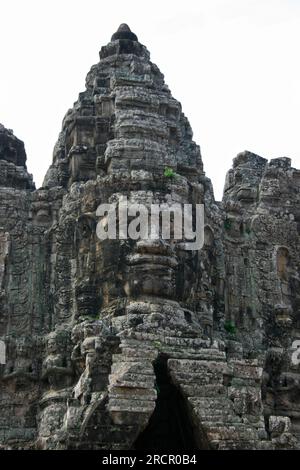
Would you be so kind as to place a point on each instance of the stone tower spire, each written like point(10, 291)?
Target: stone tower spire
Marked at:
point(13, 171)
point(126, 101)
point(124, 32)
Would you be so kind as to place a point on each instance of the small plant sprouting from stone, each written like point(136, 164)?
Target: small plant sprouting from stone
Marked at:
point(230, 327)
point(169, 173)
point(89, 317)
point(157, 344)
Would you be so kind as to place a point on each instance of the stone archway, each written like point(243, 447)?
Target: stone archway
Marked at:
point(169, 426)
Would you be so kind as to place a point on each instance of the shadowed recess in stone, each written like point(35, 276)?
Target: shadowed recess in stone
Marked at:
point(169, 426)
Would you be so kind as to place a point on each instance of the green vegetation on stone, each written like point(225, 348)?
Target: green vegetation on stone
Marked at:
point(227, 224)
point(230, 327)
point(169, 173)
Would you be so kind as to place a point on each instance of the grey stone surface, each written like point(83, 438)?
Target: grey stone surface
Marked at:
point(93, 328)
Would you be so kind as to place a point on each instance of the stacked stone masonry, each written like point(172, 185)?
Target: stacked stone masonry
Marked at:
point(88, 323)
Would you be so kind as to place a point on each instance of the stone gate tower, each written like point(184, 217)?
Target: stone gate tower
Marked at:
point(140, 344)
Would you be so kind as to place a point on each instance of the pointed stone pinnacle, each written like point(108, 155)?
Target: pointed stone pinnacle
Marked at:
point(124, 32)
point(124, 28)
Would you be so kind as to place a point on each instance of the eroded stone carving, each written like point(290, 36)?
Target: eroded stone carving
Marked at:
point(95, 329)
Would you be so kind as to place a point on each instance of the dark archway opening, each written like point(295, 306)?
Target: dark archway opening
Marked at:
point(169, 426)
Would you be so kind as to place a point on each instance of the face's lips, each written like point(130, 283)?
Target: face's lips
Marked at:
point(148, 259)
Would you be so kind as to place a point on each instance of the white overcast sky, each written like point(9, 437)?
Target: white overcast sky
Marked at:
point(233, 64)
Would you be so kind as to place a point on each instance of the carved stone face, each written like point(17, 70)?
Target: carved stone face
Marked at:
point(43, 216)
point(41, 209)
point(151, 269)
point(52, 346)
point(56, 342)
point(243, 180)
point(111, 274)
point(24, 347)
